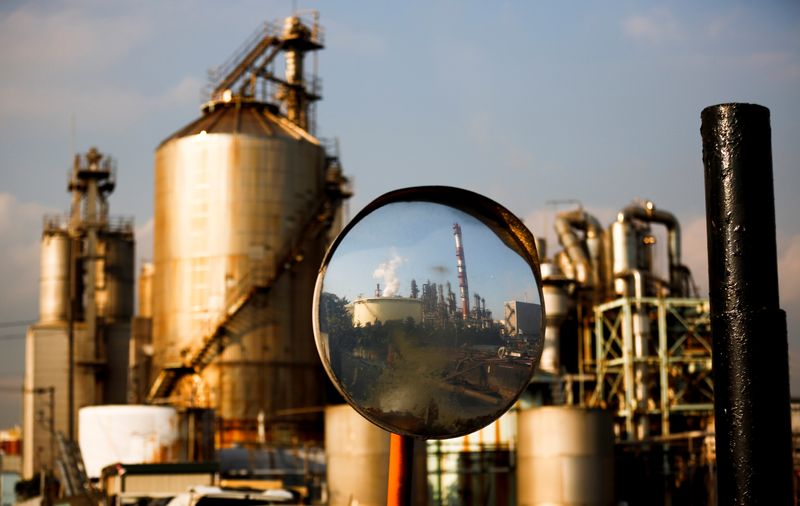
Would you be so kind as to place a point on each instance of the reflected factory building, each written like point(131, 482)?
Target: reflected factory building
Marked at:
point(425, 361)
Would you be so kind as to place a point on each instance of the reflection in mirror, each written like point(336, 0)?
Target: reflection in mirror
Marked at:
point(428, 322)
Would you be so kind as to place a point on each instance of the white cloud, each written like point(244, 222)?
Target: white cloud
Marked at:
point(59, 62)
point(657, 27)
point(45, 41)
point(20, 233)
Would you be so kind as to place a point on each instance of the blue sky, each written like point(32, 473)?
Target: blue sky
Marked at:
point(525, 102)
point(405, 241)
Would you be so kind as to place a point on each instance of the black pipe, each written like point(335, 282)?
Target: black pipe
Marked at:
point(750, 347)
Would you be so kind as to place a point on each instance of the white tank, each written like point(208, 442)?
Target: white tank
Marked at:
point(386, 309)
point(357, 453)
point(128, 434)
point(565, 456)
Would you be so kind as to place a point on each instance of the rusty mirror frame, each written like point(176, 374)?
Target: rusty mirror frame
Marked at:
point(511, 233)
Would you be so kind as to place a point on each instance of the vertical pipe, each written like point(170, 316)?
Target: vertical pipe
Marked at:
point(663, 366)
point(72, 316)
point(90, 260)
point(750, 356)
point(51, 424)
point(631, 406)
point(401, 460)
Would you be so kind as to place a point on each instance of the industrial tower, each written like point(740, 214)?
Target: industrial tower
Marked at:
point(77, 353)
point(247, 200)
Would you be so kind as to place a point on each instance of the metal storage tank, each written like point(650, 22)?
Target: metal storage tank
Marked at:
point(127, 434)
point(357, 454)
point(386, 309)
point(565, 456)
point(115, 276)
point(234, 191)
point(54, 276)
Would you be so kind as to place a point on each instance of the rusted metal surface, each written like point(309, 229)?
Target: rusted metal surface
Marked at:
point(234, 191)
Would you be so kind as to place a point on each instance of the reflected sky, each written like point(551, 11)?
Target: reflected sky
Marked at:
point(418, 365)
point(414, 240)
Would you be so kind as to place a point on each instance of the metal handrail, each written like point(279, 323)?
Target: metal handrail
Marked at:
point(61, 221)
point(218, 73)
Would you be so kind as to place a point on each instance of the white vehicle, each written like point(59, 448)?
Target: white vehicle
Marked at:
point(214, 496)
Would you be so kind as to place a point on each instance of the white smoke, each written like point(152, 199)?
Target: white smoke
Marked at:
point(386, 272)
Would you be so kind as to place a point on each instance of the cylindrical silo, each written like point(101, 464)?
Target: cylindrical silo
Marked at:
point(357, 454)
point(234, 191)
point(565, 456)
point(54, 281)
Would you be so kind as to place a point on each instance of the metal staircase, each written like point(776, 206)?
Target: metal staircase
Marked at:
point(253, 60)
point(266, 38)
point(72, 470)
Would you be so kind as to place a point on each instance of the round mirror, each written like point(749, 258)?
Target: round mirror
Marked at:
point(428, 311)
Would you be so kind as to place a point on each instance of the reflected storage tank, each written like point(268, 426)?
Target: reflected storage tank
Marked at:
point(384, 309)
point(234, 191)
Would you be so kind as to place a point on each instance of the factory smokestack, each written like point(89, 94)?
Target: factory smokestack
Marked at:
point(462, 271)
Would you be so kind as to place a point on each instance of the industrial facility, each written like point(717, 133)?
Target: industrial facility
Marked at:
point(77, 353)
point(246, 202)
point(216, 380)
point(627, 354)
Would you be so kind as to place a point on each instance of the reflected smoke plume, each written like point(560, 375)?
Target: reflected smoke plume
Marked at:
point(386, 272)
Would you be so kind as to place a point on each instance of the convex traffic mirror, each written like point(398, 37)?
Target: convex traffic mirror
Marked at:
point(428, 311)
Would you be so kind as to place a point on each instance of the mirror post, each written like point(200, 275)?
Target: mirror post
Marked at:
point(750, 348)
point(401, 460)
